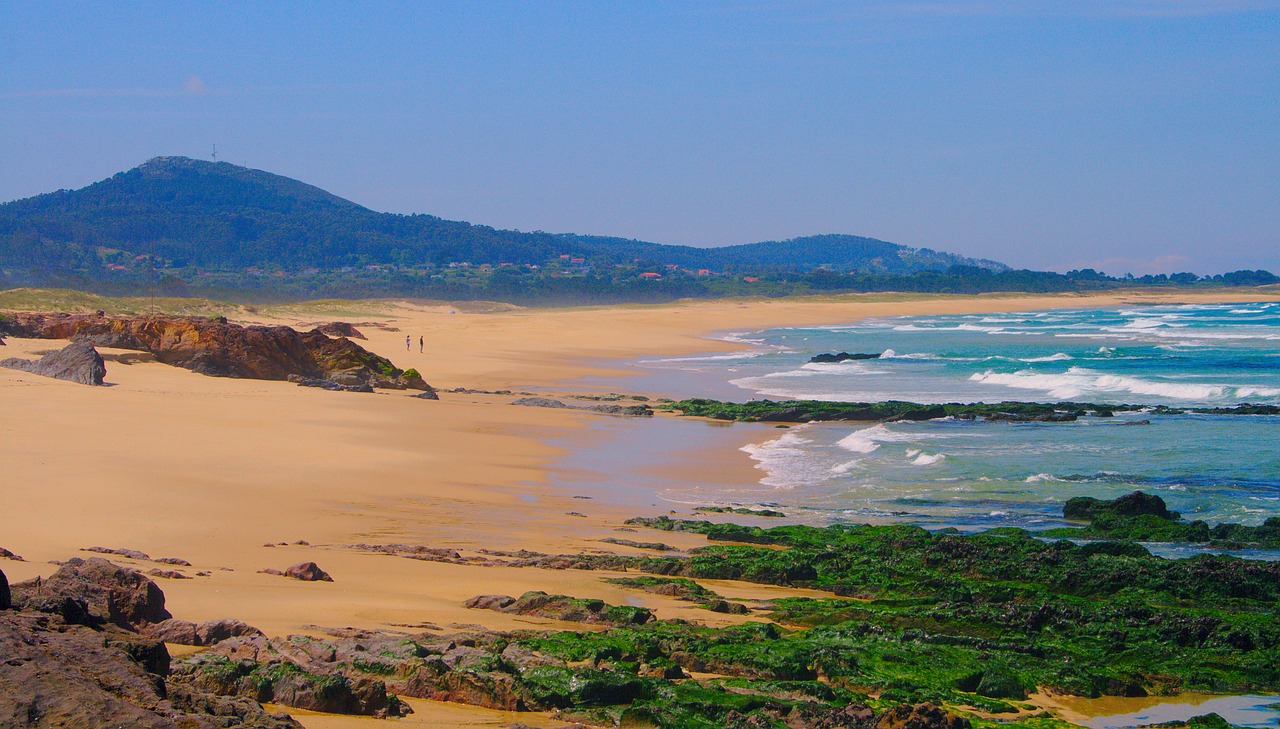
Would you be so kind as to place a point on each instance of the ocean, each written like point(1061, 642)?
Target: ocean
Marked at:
point(976, 475)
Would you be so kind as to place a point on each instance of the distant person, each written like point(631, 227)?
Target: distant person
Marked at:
point(406, 342)
point(419, 345)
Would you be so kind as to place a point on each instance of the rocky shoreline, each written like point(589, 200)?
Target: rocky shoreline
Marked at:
point(911, 622)
point(216, 347)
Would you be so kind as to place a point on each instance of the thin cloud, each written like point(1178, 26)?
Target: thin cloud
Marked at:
point(195, 86)
point(192, 86)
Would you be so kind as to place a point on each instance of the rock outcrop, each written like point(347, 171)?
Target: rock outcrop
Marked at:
point(105, 593)
point(308, 572)
point(1137, 503)
point(71, 659)
point(340, 329)
point(301, 381)
point(5, 599)
point(836, 357)
point(562, 607)
point(76, 362)
point(210, 632)
point(641, 411)
point(61, 674)
point(120, 552)
point(221, 349)
point(860, 716)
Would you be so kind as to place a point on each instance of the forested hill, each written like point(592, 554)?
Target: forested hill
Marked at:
point(177, 213)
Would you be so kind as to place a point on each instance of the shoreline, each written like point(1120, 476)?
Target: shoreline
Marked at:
point(210, 470)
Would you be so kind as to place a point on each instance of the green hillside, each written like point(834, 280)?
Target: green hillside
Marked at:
point(191, 213)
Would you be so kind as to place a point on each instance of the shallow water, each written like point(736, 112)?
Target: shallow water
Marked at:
point(1249, 711)
point(976, 475)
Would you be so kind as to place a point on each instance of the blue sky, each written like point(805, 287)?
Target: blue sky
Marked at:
point(1132, 135)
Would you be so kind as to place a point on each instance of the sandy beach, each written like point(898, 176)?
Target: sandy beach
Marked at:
point(210, 470)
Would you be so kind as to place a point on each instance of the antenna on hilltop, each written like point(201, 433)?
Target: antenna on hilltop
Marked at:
point(215, 153)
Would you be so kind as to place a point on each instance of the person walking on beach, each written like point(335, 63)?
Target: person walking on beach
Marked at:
point(419, 345)
point(406, 342)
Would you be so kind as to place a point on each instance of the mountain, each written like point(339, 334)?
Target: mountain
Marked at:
point(191, 214)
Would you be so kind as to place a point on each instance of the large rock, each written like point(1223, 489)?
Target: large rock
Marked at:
point(1137, 503)
point(76, 362)
point(920, 716)
point(340, 329)
point(109, 593)
point(308, 572)
point(285, 682)
point(219, 348)
point(212, 632)
point(208, 633)
point(59, 675)
point(5, 599)
point(837, 357)
point(173, 630)
point(562, 607)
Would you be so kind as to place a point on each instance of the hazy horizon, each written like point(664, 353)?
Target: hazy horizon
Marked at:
point(1130, 136)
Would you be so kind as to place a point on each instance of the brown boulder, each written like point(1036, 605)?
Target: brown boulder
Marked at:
point(212, 632)
point(110, 593)
point(308, 572)
point(208, 633)
point(489, 602)
point(5, 599)
point(130, 553)
point(173, 630)
point(55, 674)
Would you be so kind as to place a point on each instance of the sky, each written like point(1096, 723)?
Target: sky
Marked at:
point(1130, 136)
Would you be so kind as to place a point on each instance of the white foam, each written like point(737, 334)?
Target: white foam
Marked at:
point(1041, 477)
point(1247, 311)
point(924, 459)
point(850, 366)
point(746, 354)
point(846, 467)
point(1078, 382)
point(957, 328)
point(862, 441)
point(786, 461)
point(743, 337)
point(1246, 392)
point(1058, 357)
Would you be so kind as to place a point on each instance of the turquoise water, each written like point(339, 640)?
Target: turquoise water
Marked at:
point(977, 474)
